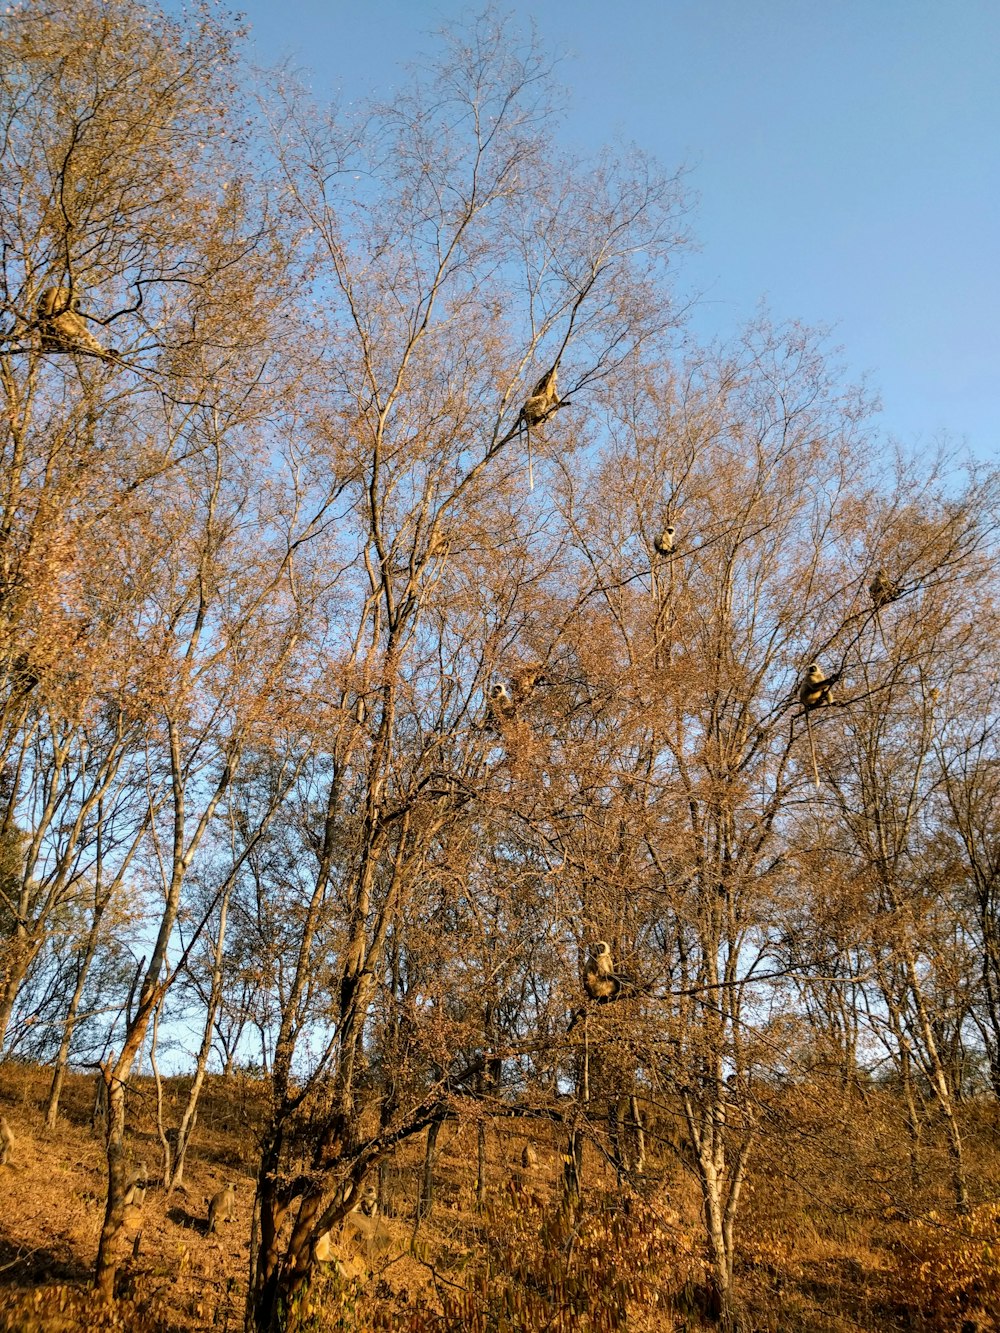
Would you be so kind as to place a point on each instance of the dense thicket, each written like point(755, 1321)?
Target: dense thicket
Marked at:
point(261, 566)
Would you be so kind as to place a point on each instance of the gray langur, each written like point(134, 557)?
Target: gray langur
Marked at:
point(62, 325)
point(529, 1158)
point(222, 1207)
point(135, 1187)
point(538, 407)
point(7, 1143)
point(883, 589)
point(368, 1203)
point(600, 981)
point(599, 978)
point(815, 691)
point(664, 543)
point(524, 680)
point(325, 1249)
point(500, 705)
point(543, 400)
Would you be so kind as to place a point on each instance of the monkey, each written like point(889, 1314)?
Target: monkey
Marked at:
point(324, 1250)
point(524, 680)
point(368, 1203)
point(543, 401)
point(529, 1158)
point(599, 979)
point(23, 674)
point(538, 407)
point(883, 590)
point(222, 1207)
point(664, 543)
point(500, 705)
point(135, 1187)
point(815, 691)
point(62, 325)
point(7, 1143)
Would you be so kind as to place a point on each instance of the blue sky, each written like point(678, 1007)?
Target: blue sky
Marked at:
point(844, 156)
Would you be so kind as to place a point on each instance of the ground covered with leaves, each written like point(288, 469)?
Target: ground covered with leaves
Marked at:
point(837, 1236)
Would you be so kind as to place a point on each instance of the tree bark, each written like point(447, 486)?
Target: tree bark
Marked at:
point(425, 1200)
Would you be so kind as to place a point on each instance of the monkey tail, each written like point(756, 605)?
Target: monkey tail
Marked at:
point(878, 626)
point(586, 1059)
point(531, 473)
point(812, 750)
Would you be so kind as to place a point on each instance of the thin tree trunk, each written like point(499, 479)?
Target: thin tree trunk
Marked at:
point(617, 1140)
point(151, 994)
point(573, 1168)
point(115, 1073)
point(480, 1166)
point(635, 1136)
point(102, 897)
point(425, 1201)
point(69, 1024)
point(175, 1152)
point(938, 1077)
point(721, 1177)
point(19, 958)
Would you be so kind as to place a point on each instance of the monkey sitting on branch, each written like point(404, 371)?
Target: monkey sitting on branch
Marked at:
point(601, 982)
point(663, 545)
point(883, 590)
point(61, 324)
point(543, 401)
point(500, 707)
point(503, 703)
point(815, 691)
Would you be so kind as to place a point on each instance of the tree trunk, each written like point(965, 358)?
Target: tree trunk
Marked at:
point(265, 1253)
point(115, 1205)
point(99, 1110)
point(938, 1078)
point(635, 1136)
point(480, 1166)
point(425, 1201)
point(62, 1057)
point(17, 963)
point(573, 1167)
point(720, 1175)
point(150, 996)
point(175, 1145)
point(628, 1141)
point(617, 1140)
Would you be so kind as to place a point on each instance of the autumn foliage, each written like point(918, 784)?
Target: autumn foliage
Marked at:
point(344, 706)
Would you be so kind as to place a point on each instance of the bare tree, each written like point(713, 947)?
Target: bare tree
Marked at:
point(423, 431)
